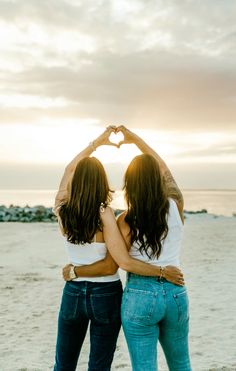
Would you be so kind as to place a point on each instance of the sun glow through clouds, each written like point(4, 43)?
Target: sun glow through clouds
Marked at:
point(165, 71)
point(53, 143)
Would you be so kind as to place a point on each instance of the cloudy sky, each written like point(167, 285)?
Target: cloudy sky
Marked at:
point(165, 69)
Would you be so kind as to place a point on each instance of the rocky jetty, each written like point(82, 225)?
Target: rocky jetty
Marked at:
point(26, 214)
point(203, 211)
point(29, 214)
point(41, 213)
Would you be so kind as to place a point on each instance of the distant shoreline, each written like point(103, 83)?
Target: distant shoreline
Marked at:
point(119, 190)
point(40, 213)
point(214, 202)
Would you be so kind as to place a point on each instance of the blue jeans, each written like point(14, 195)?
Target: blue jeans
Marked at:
point(154, 309)
point(84, 302)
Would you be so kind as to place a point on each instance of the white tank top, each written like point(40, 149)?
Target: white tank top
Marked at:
point(170, 253)
point(87, 254)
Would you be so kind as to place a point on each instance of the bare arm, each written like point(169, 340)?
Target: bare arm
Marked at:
point(103, 267)
point(70, 168)
point(118, 250)
point(173, 189)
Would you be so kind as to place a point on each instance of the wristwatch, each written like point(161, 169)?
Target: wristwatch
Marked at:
point(72, 274)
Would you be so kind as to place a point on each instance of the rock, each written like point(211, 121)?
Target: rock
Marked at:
point(6, 218)
point(40, 213)
point(2, 213)
point(25, 219)
point(203, 211)
point(27, 214)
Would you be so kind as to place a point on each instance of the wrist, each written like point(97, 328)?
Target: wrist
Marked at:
point(138, 141)
point(72, 273)
point(162, 272)
point(93, 145)
point(75, 271)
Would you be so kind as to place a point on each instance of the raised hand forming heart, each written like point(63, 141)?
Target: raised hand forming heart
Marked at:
point(120, 135)
point(114, 136)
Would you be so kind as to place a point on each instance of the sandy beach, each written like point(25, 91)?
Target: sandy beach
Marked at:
point(30, 267)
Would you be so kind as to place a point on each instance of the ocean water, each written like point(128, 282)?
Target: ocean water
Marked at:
point(219, 202)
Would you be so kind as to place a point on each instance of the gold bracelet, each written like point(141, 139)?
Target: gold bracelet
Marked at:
point(161, 272)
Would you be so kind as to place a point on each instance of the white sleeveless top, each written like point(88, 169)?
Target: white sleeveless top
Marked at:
point(170, 253)
point(87, 254)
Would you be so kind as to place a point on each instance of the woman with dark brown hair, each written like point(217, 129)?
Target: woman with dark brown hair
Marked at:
point(83, 188)
point(153, 309)
point(93, 291)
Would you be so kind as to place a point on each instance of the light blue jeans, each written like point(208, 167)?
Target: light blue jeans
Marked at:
point(154, 309)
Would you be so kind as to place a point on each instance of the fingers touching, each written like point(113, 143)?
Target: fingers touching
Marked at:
point(111, 129)
point(116, 129)
point(126, 136)
point(112, 132)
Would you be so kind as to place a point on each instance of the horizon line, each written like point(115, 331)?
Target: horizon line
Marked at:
point(55, 189)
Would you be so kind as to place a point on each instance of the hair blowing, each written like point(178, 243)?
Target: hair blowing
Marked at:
point(79, 213)
point(148, 204)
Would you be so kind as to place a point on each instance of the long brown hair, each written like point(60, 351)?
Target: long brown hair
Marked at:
point(79, 213)
point(148, 204)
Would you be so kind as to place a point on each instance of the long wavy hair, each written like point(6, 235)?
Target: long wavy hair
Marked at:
point(79, 213)
point(148, 205)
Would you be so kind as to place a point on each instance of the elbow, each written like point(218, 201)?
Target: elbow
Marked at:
point(111, 269)
point(69, 169)
point(125, 265)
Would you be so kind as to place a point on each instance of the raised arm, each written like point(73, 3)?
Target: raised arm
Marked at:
point(70, 168)
point(173, 189)
point(105, 266)
point(118, 250)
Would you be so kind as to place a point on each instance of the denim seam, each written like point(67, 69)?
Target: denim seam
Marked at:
point(107, 294)
point(71, 293)
point(130, 289)
point(180, 311)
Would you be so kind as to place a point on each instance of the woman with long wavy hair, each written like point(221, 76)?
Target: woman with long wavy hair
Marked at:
point(153, 309)
point(93, 291)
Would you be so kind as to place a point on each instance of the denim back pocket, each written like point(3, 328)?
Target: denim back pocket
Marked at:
point(106, 306)
point(138, 305)
point(181, 300)
point(69, 303)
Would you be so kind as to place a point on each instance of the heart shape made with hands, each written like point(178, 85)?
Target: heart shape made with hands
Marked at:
point(116, 137)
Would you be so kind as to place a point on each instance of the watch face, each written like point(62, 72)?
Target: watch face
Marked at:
point(72, 273)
